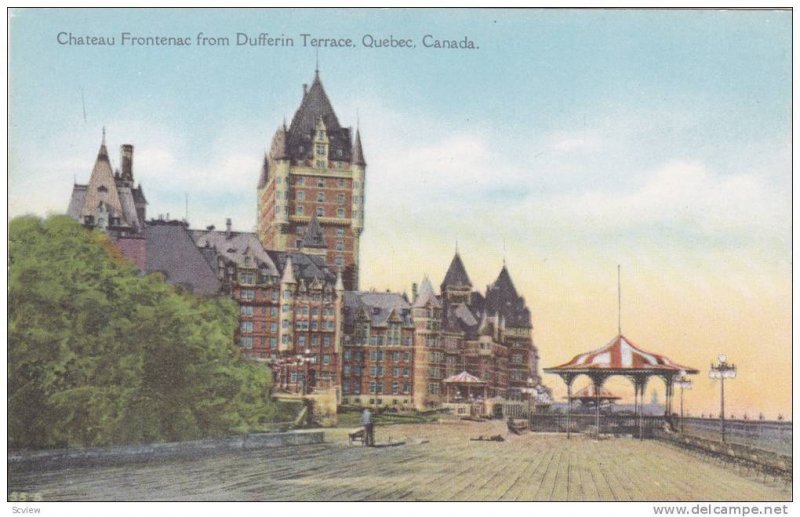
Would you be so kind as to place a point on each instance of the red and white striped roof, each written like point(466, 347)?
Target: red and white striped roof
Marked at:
point(621, 354)
point(463, 378)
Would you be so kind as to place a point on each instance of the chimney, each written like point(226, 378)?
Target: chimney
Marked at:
point(228, 228)
point(126, 152)
point(413, 291)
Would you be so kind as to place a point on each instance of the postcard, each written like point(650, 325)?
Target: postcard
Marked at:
point(358, 254)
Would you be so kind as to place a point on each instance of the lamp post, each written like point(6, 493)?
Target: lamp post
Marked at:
point(722, 370)
point(684, 383)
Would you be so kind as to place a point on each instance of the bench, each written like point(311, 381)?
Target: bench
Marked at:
point(358, 434)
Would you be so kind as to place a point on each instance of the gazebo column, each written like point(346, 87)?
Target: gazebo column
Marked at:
point(597, 381)
point(641, 382)
point(568, 378)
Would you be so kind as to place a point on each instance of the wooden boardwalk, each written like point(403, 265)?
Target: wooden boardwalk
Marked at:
point(438, 462)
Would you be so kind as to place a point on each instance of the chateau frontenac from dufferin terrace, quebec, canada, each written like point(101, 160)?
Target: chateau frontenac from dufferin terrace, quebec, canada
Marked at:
point(296, 282)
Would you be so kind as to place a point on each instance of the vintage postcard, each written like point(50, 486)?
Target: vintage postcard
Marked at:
point(332, 254)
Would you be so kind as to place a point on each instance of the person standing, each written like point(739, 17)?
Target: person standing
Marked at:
point(369, 430)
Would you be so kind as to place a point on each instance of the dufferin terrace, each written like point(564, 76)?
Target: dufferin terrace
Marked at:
point(444, 380)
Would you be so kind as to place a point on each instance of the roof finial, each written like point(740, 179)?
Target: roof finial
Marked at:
point(104, 135)
point(316, 66)
point(504, 252)
point(456, 246)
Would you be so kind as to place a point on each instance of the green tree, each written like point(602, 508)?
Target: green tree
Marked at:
point(98, 354)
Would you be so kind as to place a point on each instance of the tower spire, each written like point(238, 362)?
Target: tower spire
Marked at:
point(316, 65)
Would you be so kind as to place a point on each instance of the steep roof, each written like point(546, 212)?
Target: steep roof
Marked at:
point(242, 248)
point(172, 252)
point(306, 267)
point(426, 295)
point(502, 298)
point(102, 187)
point(456, 275)
point(358, 152)
point(379, 307)
point(314, 237)
point(76, 201)
point(316, 104)
point(264, 177)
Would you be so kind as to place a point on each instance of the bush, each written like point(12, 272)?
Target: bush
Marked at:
point(99, 355)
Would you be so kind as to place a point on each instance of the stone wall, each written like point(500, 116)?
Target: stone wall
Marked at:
point(124, 454)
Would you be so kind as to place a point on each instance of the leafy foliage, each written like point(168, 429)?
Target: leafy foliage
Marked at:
point(98, 354)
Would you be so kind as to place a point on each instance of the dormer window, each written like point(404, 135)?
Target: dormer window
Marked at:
point(102, 188)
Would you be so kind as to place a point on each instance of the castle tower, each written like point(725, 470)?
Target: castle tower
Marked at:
point(456, 286)
point(314, 168)
point(428, 361)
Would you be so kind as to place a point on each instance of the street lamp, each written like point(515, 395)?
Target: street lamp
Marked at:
point(684, 383)
point(722, 371)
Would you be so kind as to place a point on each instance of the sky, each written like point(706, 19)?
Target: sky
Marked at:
point(568, 142)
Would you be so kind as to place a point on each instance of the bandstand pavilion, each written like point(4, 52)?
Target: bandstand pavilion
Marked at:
point(620, 357)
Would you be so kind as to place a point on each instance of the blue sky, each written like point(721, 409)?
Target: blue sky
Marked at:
point(571, 141)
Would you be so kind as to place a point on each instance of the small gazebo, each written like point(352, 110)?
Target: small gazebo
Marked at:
point(620, 357)
point(464, 384)
point(590, 395)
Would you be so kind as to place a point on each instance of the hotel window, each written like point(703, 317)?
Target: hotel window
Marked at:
point(301, 341)
point(246, 341)
point(314, 341)
point(247, 278)
point(326, 341)
point(246, 310)
point(248, 294)
point(373, 370)
point(326, 359)
point(346, 369)
point(275, 296)
point(300, 180)
point(339, 260)
point(407, 342)
point(395, 356)
point(285, 324)
point(320, 148)
point(273, 327)
point(294, 377)
point(340, 213)
point(339, 245)
point(340, 232)
point(320, 212)
point(273, 343)
point(313, 325)
point(340, 199)
point(340, 182)
point(406, 388)
point(396, 372)
point(320, 197)
point(395, 388)
point(246, 326)
point(299, 210)
point(405, 372)
point(321, 182)
point(346, 355)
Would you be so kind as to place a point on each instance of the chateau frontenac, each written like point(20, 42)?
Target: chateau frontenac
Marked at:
point(296, 280)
